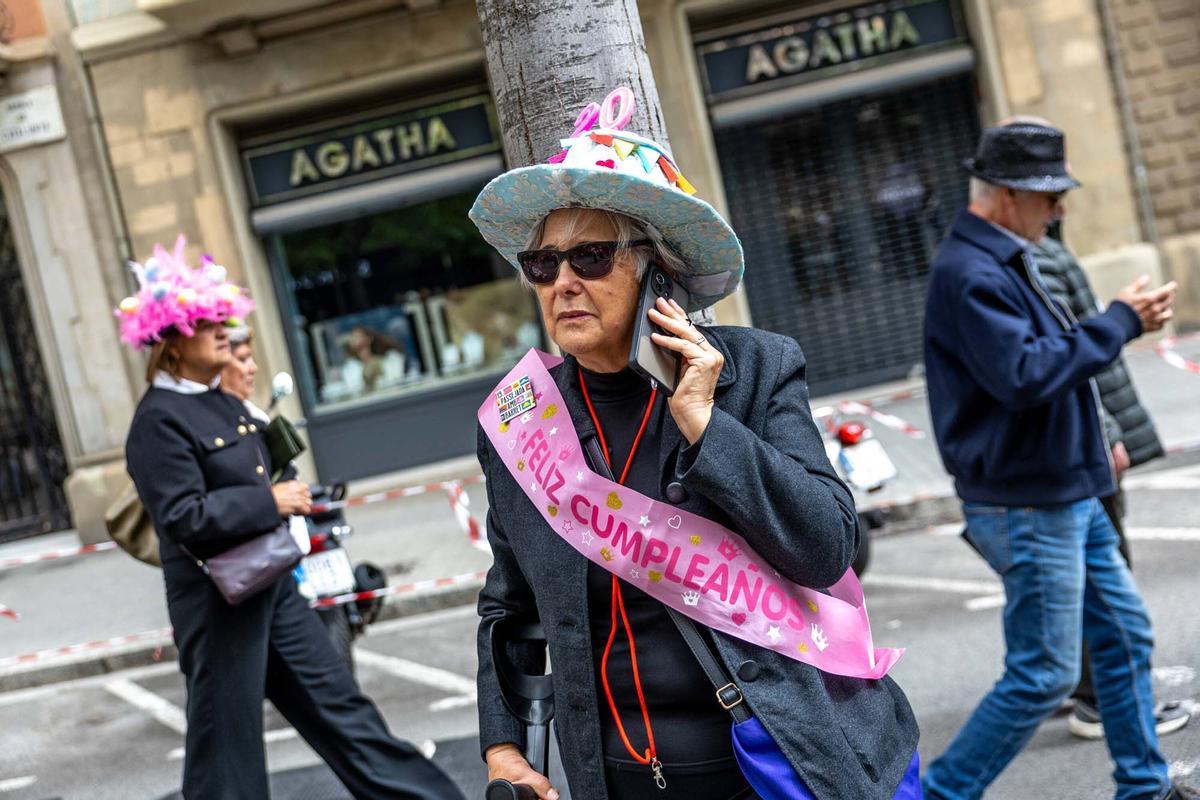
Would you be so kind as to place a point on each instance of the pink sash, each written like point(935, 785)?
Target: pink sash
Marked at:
point(695, 566)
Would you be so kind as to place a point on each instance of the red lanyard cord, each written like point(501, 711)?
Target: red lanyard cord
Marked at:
point(618, 602)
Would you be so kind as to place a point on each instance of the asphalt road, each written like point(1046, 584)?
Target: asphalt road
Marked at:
point(118, 736)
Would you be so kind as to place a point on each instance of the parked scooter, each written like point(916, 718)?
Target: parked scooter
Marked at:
point(866, 468)
point(325, 571)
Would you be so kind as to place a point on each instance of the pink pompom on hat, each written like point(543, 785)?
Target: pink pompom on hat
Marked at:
point(175, 296)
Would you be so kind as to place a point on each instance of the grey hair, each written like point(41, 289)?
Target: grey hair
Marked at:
point(982, 190)
point(627, 230)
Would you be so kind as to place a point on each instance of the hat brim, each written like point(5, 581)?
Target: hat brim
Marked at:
point(512, 204)
point(1037, 183)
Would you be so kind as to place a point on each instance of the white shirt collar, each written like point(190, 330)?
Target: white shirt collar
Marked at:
point(164, 380)
point(256, 412)
point(1016, 237)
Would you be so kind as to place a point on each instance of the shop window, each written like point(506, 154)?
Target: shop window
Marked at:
point(403, 301)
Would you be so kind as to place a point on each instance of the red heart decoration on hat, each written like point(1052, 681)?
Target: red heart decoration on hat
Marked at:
point(738, 617)
point(607, 163)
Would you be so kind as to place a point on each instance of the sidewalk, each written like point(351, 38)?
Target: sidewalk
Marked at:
point(107, 595)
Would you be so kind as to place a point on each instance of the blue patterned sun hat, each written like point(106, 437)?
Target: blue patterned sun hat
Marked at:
point(614, 170)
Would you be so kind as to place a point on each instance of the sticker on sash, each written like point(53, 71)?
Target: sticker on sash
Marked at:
point(515, 399)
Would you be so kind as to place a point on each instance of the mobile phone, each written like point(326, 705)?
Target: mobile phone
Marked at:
point(646, 358)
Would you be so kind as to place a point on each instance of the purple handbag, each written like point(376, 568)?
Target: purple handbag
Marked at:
point(244, 571)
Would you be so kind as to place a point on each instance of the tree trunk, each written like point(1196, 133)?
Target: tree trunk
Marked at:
point(547, 59)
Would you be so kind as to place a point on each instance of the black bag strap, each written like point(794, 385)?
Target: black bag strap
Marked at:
point(729, 695)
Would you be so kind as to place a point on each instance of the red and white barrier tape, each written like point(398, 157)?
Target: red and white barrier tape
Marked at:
point(1185, 447)
point(434, 583)
point(394, 494)
point(165, 633)
point(460, 504)
point(5, 611)
point(858, 408)
point(51, 555)
point(1166, 351)
point(890, 420)
point(914, 393)
point(86, 647)
point(377, 497)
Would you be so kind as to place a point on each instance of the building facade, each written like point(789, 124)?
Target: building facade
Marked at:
point(327, 154)
point(65, 396)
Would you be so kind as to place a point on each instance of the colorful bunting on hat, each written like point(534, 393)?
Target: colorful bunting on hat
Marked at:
point(668, 169)
point(648, 157)
point(648, 154)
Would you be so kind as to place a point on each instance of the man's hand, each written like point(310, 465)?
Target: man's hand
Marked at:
point(1120, 458)
point(505, 761)
point(1154, 307)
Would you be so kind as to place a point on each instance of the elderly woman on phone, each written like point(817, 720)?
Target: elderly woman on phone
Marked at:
point(703, 430)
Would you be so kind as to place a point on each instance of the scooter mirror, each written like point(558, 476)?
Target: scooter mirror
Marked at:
point(282, 385)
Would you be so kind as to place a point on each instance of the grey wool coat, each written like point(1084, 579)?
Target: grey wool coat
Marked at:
point(760, 469)
point(1125, 419)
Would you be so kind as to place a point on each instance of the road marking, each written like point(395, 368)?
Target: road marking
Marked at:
point(1174, 676)
point(51, 689)
point(12, 784)
point(986, 602)
point(448, 703)
point(449, 682)
point(951, 585)
point(158, 707)
point(427, 618)
point(1165, 534)
point(1182, 769)
point(1179, 478)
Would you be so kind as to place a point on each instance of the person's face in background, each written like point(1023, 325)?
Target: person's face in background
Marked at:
point(359, 344)
point(203, 355)
point(237, 377)
point(1033, 213)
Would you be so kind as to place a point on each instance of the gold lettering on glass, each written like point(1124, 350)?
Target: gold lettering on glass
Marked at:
point(759, 65)
point(791, 54)
point(332, 159)
point(302, 168)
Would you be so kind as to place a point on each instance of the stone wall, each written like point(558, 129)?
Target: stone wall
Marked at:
point(1160, 51)
point(1053, 62)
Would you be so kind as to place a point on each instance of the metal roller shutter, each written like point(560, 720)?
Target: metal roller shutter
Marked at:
point(840, 209)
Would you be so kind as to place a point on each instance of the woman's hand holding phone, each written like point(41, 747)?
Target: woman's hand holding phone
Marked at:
point(699, 367)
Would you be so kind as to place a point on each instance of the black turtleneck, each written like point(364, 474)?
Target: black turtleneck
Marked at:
point(691, 730)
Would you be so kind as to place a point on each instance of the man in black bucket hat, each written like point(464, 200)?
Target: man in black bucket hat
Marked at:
point(1017, 424)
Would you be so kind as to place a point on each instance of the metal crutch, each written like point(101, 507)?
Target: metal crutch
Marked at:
point(530, 698)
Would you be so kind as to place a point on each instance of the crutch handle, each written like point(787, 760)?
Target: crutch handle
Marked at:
point(501, 789)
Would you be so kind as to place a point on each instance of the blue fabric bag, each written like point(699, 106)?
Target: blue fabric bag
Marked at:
point(768, 771)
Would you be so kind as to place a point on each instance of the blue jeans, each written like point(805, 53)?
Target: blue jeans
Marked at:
point(1062, 576)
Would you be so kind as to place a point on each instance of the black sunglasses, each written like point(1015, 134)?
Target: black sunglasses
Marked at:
point(589, 260)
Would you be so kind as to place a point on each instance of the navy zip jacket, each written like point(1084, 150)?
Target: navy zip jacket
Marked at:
point(1008, 373)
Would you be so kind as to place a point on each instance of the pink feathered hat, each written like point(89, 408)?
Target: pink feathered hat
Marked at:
point(175, 296)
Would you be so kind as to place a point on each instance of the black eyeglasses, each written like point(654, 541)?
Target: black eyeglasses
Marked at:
point(590, 260)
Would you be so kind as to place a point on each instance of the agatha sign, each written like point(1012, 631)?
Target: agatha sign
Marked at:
point(795, 50)
point(364, 149)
